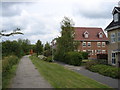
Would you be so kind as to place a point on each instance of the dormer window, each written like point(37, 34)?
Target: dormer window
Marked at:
point(86, 34)
point(115, 17)
point(100, 35)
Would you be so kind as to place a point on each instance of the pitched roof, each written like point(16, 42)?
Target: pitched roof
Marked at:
point(113, 25)
point(116, 9)
point(93, 34)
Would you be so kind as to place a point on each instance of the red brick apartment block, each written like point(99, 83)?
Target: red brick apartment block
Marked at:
point(92, 40)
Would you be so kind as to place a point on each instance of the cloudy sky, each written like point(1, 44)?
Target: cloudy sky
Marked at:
point(41, 19)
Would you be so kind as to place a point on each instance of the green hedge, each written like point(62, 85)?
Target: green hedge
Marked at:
point(106, 70)
point(48, 59)
point(73, 58)
point(8, 62)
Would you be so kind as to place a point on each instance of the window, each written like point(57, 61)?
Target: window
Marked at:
point(86, 35)
point(84, 44)
point(115, 17)
point(113, 58)
point(112, 37)
point(103, 44)
point(89, 44)
point(84, 50)
point(89, 52)
point(103, 51)
point(100, 36)
point(98, 44)
point(98, 51)
point(118, 36)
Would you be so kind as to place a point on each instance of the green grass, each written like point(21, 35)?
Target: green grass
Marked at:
point(59, 77)
point(6, 80)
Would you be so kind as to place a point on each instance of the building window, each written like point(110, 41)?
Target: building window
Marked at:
point(115, 17)
point(89, 52)
point(84, 44)
point(98, 51)
point(118, 36)
point(103, 51)
point(98, 44)
point(100, 36)
point(112, 37)
point(113, 58)
point(86, 34)
point(103, 44)
point(84, 50)
point(89, 44)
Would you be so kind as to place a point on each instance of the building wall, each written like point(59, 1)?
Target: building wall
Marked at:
point(113, 46)
point(94, 48)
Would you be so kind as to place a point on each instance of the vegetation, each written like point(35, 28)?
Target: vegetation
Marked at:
point(73, 58)
point(84, 55)
point(59, 77)
point(48, 59)
point(9, 65)
point(106, 70)
point(39, 47)
point(47, 50)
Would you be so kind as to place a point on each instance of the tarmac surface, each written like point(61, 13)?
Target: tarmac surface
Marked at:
point(27, 76)
point(100, 78)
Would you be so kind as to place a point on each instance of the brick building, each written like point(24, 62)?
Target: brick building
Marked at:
point(92, 40)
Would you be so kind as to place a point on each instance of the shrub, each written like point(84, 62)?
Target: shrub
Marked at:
point(84, 55)
point(48, 59)
point(103, 61)
point(73, 58)
point(106, 70)
point(8, 62)
point(90, 63)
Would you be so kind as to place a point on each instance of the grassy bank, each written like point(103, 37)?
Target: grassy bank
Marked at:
point(9, 73)
point(59, 77)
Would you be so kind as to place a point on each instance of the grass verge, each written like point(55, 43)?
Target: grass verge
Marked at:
point(6, 80)
point(59, 77)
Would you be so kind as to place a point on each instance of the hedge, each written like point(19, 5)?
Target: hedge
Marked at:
point(106, 70)
point(73, 58)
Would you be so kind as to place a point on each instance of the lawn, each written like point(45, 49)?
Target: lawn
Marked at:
point(59, 77)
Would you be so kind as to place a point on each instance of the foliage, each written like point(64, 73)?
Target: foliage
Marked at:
point(106, 70)
point(8, 62)
point(65, 42)
point(47, 50)
point(48, 59)
point(102, 61)
point(84, 55)
point(60, 77)
point(73, 58)
point(39, 47)
point(90, 63)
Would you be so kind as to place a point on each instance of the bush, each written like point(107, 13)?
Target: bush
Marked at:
point(8, 62)
point(106, 70)
point(73, 58)
point(84, 55)
point(103, 61)
point(48, 59)
point(90, 63)
point(47, 53)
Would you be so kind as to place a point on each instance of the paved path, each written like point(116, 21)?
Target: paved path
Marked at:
point(100, 78)
point(27, 76)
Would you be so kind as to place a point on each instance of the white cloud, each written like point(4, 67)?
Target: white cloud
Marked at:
point(41, 20)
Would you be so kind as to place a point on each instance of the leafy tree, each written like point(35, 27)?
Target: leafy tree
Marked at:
point(47, 50)
point(39, 47)
point(65, 42)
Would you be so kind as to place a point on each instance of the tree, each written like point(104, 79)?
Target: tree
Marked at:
point(16, 31)
point(47, 50)
point(65, 42)
point(39, 47)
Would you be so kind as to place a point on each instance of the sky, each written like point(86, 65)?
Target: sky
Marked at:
point(40, 19)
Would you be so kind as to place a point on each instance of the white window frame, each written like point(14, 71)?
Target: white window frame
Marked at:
point(98, 44)
point(89, 43)
point(84, 50)
point(113, 38)
point(84, 44)
point(103, 51)
point(103, 44)
point(113, 58)
point(98, 51)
